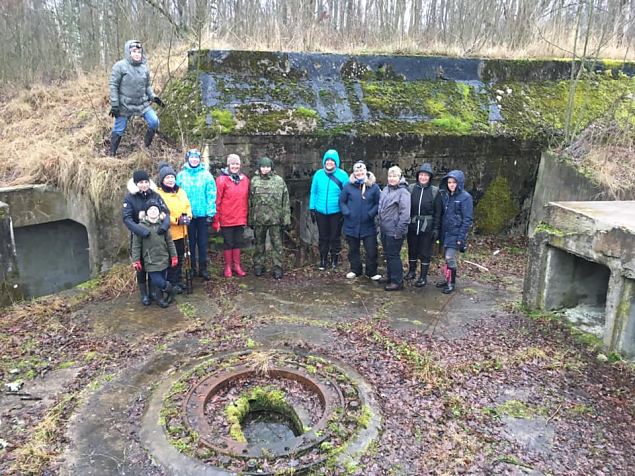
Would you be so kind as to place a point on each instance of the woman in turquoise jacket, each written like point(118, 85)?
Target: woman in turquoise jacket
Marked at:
point(324, 206)
point(200, 187)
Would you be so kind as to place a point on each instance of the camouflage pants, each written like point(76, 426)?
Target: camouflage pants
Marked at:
point(275, 238)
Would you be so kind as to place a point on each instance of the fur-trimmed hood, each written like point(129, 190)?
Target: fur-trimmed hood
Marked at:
point(370, 179)
point(133, 189)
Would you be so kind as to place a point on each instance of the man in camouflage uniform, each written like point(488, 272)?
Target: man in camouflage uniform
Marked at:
point(268, 212)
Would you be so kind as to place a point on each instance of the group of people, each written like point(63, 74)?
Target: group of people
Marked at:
point(185, 206)
point(421, 214)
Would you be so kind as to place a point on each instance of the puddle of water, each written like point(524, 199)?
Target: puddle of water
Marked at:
point(266, 428)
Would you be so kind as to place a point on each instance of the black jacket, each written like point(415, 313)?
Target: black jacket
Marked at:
point(136, 202)
point(426, 207)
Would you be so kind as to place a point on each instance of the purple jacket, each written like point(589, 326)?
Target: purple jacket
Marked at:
point(394, 210)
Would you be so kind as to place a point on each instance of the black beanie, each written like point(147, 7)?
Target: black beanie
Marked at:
point(140, 175)
point(152, 203)
point(164, 170)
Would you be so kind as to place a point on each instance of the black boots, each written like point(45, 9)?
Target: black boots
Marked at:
point(393, 286)
point(169, 292)
point(423, 277)
point(204, 274)
point(259, 270)
point(147, 139)
point(157, 295)
point(335, 260)
point(451, 284)
point(412, 270)
point(143, 292)
point(277, 272)
point(115, 139)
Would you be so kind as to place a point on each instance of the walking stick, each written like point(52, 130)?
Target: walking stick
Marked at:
point(187, 261)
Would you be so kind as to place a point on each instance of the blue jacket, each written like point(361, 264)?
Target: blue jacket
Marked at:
point(200, 187)
point(360, 211)
point(457, 211)
point(325, 193)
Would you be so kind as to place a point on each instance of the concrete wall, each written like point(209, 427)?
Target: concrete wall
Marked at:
point(58, 237)
point(9, 287)
point(559, 181)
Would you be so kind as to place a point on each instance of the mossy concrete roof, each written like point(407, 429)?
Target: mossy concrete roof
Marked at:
point(254, 93)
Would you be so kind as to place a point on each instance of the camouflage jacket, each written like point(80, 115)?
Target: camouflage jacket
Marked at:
point(268, 201)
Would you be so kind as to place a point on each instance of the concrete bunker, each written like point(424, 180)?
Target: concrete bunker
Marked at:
point(52, 256)
point(582, 258)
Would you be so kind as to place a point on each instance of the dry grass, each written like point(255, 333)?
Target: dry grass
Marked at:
point(261, 362)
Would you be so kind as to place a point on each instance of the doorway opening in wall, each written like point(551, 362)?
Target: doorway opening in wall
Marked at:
point(578, 287)
point(52, 256)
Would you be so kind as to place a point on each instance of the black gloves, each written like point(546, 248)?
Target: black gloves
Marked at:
point(114, 111)
point(313, 216)
point(157, 99)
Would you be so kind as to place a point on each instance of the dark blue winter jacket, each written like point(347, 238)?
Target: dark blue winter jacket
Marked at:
point(359, 204)
point(457, 211)
point(325, 193)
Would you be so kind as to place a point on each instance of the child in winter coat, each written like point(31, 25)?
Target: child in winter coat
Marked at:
point(180, 217)
point(131, 94)
point(324, 206)
point(394, 216)
point(157, 252)
point(232, 199)
point(200, 188)
point(359, 202)
point(455, 223)
point(140, 191)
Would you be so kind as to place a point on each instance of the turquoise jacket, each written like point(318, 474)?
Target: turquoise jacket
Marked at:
point(325, 193)
point(200, 187)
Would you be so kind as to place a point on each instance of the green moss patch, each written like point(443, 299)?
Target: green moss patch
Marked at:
point(496, 209)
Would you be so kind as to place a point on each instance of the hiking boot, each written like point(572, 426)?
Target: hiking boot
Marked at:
point(147, 139)
point(393, 286)
point(115, 140)
point(259, 270)
point(335, 260)
point(204, 274)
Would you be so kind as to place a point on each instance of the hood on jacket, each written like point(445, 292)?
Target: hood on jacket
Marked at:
point(201, 167)
point(457, 175)
point(225, 171)
point(333, 155)
point(133, 189)
point(126, 52)
point(370, 179)
point(425, 168)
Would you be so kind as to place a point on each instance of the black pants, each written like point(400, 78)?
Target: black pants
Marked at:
point(198, 231)
point(420, 246)
point(330, 233)
point(392, 249)
point(174, 274)
point(354, 257)
point(232, 236)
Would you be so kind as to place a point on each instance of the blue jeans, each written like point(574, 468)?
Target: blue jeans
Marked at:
point(392, 249)
point(158, 278)
point(198, 232)
point(150, 117)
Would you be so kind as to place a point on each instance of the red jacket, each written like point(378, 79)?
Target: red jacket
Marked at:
point(232, 200)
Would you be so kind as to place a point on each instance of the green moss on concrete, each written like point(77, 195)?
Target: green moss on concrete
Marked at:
point(224, 120)
point(546, 228)
point(265, 119)
point(496, 209)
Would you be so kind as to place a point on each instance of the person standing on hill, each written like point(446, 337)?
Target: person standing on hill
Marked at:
point(200, 188)
point(455, 223)
point(425, 221)
point(232, 199)
point(131, 94)
point(269, 212)
point(140, 191)
point(359, 203)
point(324, 206)
point(180, 217)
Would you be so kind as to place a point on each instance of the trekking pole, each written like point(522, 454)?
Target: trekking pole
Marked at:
point(187, 261)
